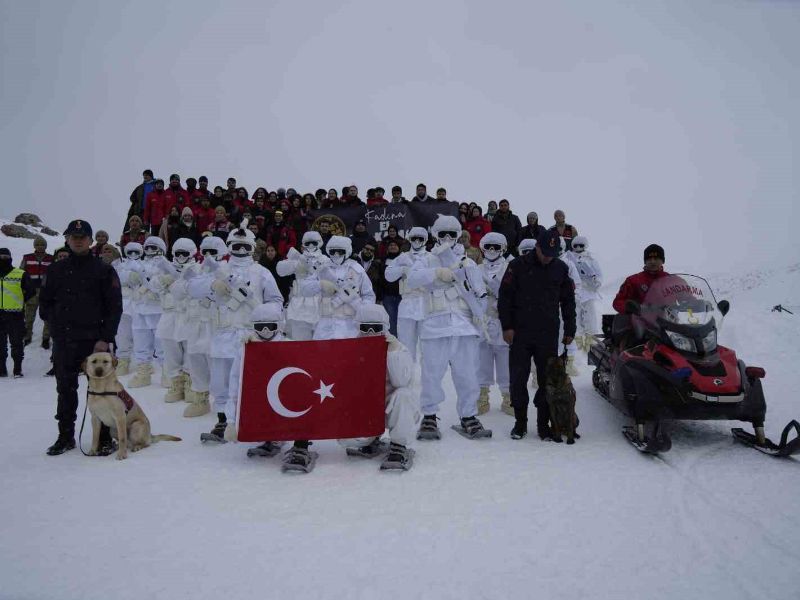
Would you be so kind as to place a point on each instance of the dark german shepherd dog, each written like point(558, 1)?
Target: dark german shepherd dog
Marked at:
point(561, 399)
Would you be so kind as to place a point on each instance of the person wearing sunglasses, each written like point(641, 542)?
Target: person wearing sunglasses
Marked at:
point(591, 281)
point(147, 312)
point(343, 286)
point(199, 327)
point(172, 325)
point(411, 311)
point(455, 300)
point(129, 271)
point(303, 310)
point(493, 351)
point(238, 287)
point(402, 408)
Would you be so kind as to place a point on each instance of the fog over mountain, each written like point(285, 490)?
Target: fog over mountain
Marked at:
point(671, 122)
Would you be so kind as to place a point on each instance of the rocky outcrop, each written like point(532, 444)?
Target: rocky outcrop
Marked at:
point(17, 231)
point(28, 219)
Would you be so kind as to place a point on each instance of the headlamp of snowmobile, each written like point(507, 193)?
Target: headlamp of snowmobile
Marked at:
point(370, 328)
point(681, 342)
point(709, 342)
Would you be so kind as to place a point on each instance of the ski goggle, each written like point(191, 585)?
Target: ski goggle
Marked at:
point(182, 253)
point(133, 254)
point(447, 234)
point(417, 240)
point(496, 247)
point(151, 249)
point(370, 327)
point(525, 251)
point(269, 326)
point(337, 252)
point(209, 252)
point(241, 247)
point(311, 245)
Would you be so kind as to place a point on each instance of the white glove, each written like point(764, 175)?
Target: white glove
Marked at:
point(328, 287)
point(445, 274)
point(134, 278)
point(221, 287)
point(166, 279)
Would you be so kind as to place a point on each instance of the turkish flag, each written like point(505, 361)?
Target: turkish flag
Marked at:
point(312, 390)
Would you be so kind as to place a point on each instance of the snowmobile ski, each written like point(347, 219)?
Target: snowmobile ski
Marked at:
point(376, 448)
point(398, 461)
point(655, 445)
point(292, 463)
point(267, 449)
point(483, 433)
point(784, 449)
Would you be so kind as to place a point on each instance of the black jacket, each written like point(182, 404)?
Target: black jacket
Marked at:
point(530, 296)
point(531, 232)
point(81, 299)
point(508, 224)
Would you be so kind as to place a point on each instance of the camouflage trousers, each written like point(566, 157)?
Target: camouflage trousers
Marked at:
point(31, 308)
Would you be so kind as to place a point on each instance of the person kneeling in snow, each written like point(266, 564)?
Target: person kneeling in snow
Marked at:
point(402, 409)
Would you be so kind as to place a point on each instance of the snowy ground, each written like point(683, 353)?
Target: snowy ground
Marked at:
point(488, 519)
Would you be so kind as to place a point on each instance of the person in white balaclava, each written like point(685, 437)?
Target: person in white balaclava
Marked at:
point(411, 312)
point(572, 348)
point(343, 286)
point(238, 287)
point(199, 330)
point(147, 311)
point(589, 293)
point(402, 408)
point(130, 263)
point(303, 312)
point(493, 352)
point(455, 305)
point(174, 307)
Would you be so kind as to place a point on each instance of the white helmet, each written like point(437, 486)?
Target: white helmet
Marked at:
point(267, 319)
point(372, 319)
point(417, 237)
point(312, 242)
point(580, 244)
point(154, 246)
point(446, 230)
point(133, 250)
point(214, 247)
point(526, 245)
point(183, 251)
point(242, 241)
point(493, 245)
point(339, 248)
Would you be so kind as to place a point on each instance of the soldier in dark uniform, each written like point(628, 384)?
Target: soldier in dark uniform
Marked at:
point(533, 289)
point(82, 302)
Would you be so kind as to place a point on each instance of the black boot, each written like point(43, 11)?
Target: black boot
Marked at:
point(3, 370)
point(520, 430)
point(17, 369)
point(65, 441)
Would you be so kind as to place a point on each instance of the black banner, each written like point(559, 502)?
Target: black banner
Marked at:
point(402, 215)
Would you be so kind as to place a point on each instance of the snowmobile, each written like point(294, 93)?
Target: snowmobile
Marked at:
point(660, 361)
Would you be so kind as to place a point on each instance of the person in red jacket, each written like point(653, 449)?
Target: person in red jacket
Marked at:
point(155, 208)
point(478, 226)
point(377, 198)
point(135, 232)
point(635, 287)
point(280, 235)
point(35, 265)
point(175, 195)
point(203, 214)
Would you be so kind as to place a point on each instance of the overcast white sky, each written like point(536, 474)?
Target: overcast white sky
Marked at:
point(670, 122)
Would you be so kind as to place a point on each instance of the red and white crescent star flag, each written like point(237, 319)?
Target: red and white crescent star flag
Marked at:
point(312, 390)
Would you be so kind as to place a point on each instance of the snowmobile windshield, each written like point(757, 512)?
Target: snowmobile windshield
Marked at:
point(685, 309)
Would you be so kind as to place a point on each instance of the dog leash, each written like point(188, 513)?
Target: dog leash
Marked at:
point(83, 421)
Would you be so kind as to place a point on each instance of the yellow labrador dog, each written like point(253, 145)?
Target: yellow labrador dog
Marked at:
point(112, 406)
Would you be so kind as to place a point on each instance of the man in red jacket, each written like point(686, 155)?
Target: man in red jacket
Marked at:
point(175, 195)
point(635, 287)
point(155, 208)
point(35, 265)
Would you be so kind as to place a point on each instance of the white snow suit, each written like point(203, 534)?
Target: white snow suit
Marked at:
point(411, 311)
point(493, 351)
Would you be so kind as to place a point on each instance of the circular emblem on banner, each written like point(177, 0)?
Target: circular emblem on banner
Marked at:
point(718, 382)
point(337, 226)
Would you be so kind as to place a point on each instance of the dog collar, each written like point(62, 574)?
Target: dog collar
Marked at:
point(123, 395)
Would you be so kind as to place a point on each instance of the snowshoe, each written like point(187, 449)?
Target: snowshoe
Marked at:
point(267, 449)
point(472, 429)
point(375, 448)
point(217, 435)
point(655, 443)
point(785, 448)
point(300, 460)
point(428, 429)
point(399, 458)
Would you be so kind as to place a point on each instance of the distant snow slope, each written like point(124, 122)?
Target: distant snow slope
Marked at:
point(490, 519)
